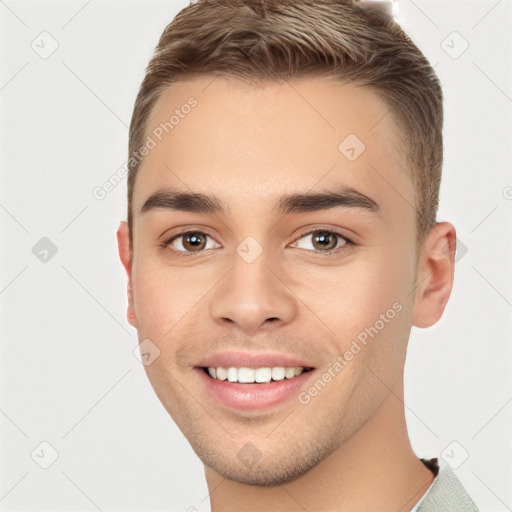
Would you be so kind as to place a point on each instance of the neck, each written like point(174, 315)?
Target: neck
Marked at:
point(375, 470)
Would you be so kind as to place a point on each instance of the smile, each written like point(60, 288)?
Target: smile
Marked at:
point(261, 375)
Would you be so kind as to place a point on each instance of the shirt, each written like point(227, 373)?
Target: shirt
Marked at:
point(446, 493)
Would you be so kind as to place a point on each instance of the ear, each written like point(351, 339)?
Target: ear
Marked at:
point(434, 275)
point(125, 253)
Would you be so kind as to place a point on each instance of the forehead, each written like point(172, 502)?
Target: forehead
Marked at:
point(242, 142)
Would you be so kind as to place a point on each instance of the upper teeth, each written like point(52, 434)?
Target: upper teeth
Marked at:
point(249, 375)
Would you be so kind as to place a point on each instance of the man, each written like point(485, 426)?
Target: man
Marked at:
point(285, 162)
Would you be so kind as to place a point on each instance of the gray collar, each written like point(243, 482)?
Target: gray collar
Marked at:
point(447, 494)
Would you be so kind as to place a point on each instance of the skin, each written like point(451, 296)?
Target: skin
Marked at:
point(348, 448)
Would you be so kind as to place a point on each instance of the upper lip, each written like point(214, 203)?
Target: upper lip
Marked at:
point(252, 360)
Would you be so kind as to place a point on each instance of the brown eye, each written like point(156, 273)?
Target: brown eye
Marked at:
point(325, 240)
point(191, 242)
point(194, 241)
point(322, 241)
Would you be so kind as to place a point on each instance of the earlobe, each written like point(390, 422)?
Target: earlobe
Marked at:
point(434, 275)
point(125, 254)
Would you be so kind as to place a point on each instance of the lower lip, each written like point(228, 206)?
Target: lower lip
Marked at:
point(248, 397)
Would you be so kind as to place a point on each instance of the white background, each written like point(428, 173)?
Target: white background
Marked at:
point(68, 373)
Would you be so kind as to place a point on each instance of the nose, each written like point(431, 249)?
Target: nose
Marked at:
point(251, 297)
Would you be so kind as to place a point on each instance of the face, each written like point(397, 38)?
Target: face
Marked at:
point(299, 252)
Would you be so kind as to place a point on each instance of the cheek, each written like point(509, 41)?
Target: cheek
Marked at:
point(160, 298)
point(169, 302)
point(350, 298)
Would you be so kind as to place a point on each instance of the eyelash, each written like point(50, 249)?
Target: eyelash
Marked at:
point(167, 243)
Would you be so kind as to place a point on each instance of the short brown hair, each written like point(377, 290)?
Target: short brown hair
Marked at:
point(275, 40)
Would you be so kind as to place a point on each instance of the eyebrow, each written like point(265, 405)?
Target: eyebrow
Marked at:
point(194, 202)
point(315, 201)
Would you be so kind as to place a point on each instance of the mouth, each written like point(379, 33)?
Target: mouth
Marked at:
point(260, 375)
point(253, 389)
